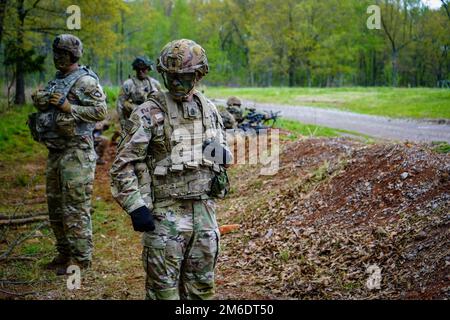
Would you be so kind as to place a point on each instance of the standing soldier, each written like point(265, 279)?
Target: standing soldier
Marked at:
point(68, 109)
point(135, 90)
point(171, 133)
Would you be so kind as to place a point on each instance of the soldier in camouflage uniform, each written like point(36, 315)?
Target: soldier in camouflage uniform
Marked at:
point(179, 136)
point(135, 90)
point(234, 107)
point(68, 109)
point(228, 119)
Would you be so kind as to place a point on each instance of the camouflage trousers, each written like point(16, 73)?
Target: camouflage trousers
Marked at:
point(70, 177)
point(179, 257)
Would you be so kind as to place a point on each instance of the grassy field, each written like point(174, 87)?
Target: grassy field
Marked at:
point(392, 102)
point(15, 138)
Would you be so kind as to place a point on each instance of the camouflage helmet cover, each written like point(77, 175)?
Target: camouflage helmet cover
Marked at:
point(183, 56)
point(69, 43)
point(234, 101)
point(142, 61)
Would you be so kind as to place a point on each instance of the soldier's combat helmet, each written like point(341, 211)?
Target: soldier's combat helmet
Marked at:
point(183, 56)
point(142, 62)
point(182, 63)
point(70, 43)
point(234, 101)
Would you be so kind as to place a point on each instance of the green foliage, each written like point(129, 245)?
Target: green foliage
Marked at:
point(285, 255)
point(111, 95)
point(32, 249)
point(441, 147)
point(323, 43)
point(32, 61)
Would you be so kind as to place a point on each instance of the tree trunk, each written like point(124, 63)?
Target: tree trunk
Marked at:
point(122, 33)
point(20, 70)
point(2, 17)
point(291, 71)
point(308, 77)
point(395, 68)
point(445, 4)
point(374, 68)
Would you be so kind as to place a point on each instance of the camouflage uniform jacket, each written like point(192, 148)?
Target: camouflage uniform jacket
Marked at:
point(145, 142)
point(237, 113)
point(87, 105)
point(135, 92)
point(228, 119)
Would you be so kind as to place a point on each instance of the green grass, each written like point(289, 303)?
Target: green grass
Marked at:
point(441, 147)
point(16, 143)
point(392, 102)
point(300, 129)
point(111, 95)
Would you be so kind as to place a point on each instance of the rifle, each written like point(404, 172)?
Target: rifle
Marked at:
point(257, 120)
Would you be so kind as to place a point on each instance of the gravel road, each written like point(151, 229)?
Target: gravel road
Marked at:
point(374, 126)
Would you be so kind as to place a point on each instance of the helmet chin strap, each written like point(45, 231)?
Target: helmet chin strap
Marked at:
point(184, 97)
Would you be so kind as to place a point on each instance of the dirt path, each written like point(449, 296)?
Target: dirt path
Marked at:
point(374, 126)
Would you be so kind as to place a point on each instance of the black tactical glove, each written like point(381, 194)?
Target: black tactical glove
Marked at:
point(142, 220)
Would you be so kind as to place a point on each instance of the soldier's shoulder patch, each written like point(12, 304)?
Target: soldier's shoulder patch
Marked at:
point(132, 125)
point(90, 87)
point(96, 93)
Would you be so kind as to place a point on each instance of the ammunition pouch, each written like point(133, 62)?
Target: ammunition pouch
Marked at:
point(49, 123)
point(54, 124)
point(183, 177)
point(220, 184)
point(184, 184)
point(32, 125)
point(42, 125)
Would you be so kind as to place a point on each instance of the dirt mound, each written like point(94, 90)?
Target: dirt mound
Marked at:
point(345, 214)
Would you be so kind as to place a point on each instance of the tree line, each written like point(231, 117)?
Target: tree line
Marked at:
point(316, 43)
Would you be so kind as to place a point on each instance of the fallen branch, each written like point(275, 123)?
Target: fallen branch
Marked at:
point(18, 258)
point(18, 221)
point(3, 282)
point(20, 216)
point(18, 293)
point(22, 282)
point(35, 201)
point(21, 239)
